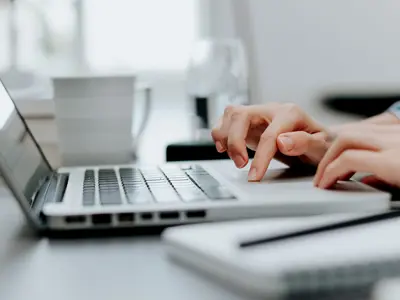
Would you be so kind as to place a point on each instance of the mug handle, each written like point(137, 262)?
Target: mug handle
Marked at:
point(148, 97)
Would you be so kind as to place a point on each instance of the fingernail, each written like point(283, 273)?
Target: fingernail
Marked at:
point(219, 146)
point(239, 161)
point(287, 142)
point(252, 174)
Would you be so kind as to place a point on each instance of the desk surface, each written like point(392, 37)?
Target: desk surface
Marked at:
point(95, 268)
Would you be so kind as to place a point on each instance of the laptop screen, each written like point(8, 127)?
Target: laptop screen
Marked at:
point(21, 158)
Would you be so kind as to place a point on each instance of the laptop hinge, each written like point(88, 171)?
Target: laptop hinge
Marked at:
point(52, 189)
point(39, 196)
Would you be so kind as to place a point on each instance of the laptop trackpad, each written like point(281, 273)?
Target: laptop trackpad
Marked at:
point(279, 179)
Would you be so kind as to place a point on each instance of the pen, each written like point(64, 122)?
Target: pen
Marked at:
point(320, 229)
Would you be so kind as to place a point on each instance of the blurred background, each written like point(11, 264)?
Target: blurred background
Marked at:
point(330, 57)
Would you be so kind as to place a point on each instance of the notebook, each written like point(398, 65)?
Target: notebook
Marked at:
point(348, 258)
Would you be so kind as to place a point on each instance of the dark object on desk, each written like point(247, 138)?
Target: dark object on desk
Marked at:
point(365, 105)
point(185, 151)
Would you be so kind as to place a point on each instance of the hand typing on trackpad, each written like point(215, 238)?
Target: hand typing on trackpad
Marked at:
point(285, 132)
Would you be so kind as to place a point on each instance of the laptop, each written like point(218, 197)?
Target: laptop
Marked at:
point(117, 196)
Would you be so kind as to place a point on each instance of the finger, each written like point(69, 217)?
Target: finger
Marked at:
point(377, 183)
point(226, 123)
point(239, 126)
point(302, 143)
point(267, 146)
point(372, 180)
point(216, 135)
point(350, 161)
point(220, 133)
point(353, 140)
point(346, 176)
point(382, 131)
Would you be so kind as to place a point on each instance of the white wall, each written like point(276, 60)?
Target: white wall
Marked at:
point(305, 47)
point(215, 18)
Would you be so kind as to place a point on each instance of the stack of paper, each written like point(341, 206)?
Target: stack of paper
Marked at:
point(94, 118)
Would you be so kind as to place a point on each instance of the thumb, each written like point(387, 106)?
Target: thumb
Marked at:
point(301, 143)
point(295, 143)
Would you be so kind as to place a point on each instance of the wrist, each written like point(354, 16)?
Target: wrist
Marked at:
point(386, 118)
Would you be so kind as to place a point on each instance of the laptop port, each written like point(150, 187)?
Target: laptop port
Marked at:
point(75, 219)
point(126, 218)
point(169, 215)
point(102, 219)
point(196, 214)
point(146, 216)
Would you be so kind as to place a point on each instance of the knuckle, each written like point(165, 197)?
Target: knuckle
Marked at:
point(267, 137)
point(293, 112)
point(216, 134)
point(292, 107)
point(346, 158)
point(229, 109)
point(344, 138)
point(238, 114)
point(330, 168)
point(273, 105)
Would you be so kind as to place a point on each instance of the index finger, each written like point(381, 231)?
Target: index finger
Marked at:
point(267, 147)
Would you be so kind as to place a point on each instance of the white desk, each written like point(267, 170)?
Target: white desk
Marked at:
point(98, 268)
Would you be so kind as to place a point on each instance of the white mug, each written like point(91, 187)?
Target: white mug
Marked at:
point(94, 117)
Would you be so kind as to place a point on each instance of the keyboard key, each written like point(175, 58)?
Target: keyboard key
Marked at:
point(134, 186)
point(204, 180)
point(191, 195)
point(184, 184)
point(110, 198)
point(178, 178)
point(155, 179)
point(109, 192)
point(129, 171)
point(196, 169)
point(159, 185)
point(219, 192)
point(126, 179)
point(167, 198)
point(166, 195)
point(88, 191)
point(139, 197)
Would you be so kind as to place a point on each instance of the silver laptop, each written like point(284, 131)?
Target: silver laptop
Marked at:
point(102, 197)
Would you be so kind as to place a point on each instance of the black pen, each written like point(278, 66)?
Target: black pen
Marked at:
point(320, 229)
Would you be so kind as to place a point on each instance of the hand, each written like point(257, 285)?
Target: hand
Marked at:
point(269, 129)
point(372, 149)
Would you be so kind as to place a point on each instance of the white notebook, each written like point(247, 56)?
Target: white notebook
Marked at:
point(353, 257)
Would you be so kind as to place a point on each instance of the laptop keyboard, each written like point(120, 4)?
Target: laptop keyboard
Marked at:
point(170, 184)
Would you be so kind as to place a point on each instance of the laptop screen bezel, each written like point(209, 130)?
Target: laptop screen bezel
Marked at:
point(34, 216)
